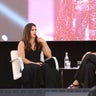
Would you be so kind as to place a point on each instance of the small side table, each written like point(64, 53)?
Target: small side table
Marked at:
point(62, 74)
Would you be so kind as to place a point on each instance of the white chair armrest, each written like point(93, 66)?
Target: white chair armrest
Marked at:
point(20, 62)
point(42, 56)
point(56, 62)
point(17, 76)
point(17, 64)
point(55, 59)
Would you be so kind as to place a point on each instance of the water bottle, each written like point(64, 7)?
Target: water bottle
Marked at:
point(66, 61)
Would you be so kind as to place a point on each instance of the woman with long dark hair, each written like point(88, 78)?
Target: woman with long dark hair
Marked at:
point(36, 74)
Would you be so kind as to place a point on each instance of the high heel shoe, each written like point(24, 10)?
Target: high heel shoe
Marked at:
point(73, 86)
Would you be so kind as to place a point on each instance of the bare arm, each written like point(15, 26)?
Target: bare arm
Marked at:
point(45, 48)
point(21, 53)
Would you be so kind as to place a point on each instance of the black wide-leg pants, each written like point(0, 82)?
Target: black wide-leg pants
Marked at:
point(86, 73)
point(46, 75)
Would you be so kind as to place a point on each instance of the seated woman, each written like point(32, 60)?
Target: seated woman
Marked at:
point(85, 76)
point(36, 74)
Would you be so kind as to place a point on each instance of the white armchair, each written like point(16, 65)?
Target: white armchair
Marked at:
point(55, 59)
point(18, 66)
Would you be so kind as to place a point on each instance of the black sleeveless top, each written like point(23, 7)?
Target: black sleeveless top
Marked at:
point(33, 55)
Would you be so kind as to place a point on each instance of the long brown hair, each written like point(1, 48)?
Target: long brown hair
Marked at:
point(27, 36)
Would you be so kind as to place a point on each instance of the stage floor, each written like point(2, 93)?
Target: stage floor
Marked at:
point(44, 92)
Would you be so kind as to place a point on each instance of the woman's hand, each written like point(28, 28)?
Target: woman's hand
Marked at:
point(39, 63)
point(41, 40)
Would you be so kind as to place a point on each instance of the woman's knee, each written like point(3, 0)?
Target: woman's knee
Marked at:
point(88, 56)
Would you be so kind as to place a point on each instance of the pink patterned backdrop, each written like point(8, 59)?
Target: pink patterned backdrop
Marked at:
point(75, 20)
